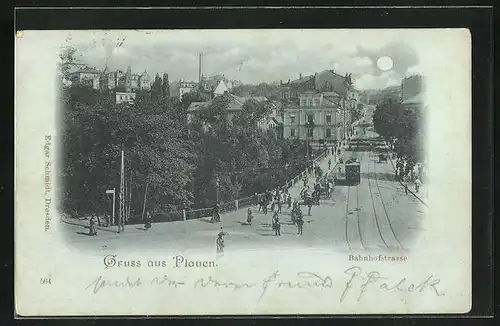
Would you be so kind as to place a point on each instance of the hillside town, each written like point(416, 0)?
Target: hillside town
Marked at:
point(176, 151)
point(318, 107)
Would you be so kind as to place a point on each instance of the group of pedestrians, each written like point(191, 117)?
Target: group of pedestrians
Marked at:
point(277, 199)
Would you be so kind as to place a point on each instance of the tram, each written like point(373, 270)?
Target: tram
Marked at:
point(352, 172)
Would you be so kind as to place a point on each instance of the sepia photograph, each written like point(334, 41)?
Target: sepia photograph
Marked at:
point(270, 171)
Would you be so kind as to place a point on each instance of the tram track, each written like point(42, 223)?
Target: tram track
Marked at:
point(385, 209)
point(347, 220)
point(357, 227)
point(374, 209)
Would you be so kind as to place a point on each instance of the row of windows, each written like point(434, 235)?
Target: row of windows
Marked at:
point(310, 118)
point(328, 133)
point(125, 98)
point(309, 101)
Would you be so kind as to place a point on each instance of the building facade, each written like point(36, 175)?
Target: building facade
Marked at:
point(323, 112)
point(413, 93)
point(411, 86)
point(89, 77)
point(178, 88)
point(124, 81)
point(319, 107)
point(124, 97)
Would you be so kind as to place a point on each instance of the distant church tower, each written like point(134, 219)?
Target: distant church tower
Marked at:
point(128, 79)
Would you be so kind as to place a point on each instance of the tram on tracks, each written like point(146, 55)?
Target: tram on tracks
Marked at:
point(352, 173)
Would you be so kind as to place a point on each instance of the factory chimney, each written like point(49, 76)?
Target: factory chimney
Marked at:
point(200, 69)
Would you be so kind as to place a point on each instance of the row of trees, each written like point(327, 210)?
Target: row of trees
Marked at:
point(402, 128)
point(173, 165)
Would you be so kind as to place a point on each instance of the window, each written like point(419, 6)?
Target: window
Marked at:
point(328, 118)
point(292, 119)
point(310, 132)
point(292, 132)
point(309, 101)
point(121, 98)
point(310, 118)
point(303, 102)
point(316, 102)
point(328, 133)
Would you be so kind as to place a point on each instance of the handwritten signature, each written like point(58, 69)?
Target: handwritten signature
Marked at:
point(358, 283)
point(373, 279)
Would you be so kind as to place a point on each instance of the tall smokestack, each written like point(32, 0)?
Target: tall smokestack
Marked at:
point(200, 69)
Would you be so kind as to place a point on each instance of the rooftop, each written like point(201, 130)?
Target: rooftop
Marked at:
point(87, 70)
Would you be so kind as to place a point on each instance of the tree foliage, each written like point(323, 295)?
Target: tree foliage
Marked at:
point(401, 127)
point(178, 167)
point(177, 164)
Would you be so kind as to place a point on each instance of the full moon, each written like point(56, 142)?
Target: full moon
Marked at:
point(384, 63)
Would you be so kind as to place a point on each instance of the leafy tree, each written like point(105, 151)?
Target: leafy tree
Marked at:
point(96, 130)
point(400, 127)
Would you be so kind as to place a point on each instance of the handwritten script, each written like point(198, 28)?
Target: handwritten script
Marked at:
point(356, 283)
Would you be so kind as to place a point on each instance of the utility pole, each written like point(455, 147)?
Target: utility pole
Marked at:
point(112, 191)
point(217, 188)
point(122, 190)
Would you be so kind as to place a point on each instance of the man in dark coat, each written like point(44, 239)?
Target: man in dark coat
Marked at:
point(300, 221)
point(276, 224)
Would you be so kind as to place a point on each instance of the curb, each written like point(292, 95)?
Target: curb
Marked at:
point(86, 226)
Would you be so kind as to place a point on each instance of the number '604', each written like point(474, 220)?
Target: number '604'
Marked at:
point(45, 280)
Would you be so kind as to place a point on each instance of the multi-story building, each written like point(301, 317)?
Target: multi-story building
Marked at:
point(124, 81)
point(411, 86)
point(124, 97)
point(413, 92)
point(86, 77)
point(325, 112)
point(318, 107)
point(179, 88)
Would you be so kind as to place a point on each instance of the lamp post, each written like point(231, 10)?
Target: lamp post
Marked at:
point(309, 126)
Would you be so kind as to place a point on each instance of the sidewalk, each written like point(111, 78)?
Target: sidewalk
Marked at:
point(84, 222)
point(423, 191)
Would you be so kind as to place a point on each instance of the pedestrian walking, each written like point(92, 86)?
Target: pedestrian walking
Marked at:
point(300, 222)
point(309, 204)
point(273, 204)
point(417, 184)
point(279, 205)
point(219, 242)
point(276, 225)
point(92, 228)
point(289, 200)
point(249, 217)
point(215, 213)
point(147, 225)
point(405, 184)
point(329, 164)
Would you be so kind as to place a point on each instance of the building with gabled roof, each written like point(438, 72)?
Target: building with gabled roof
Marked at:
point(235, 106)
point(221, 88)
point(87, 76)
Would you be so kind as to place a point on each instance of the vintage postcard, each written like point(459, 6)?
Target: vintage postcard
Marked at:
point(242, 172)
